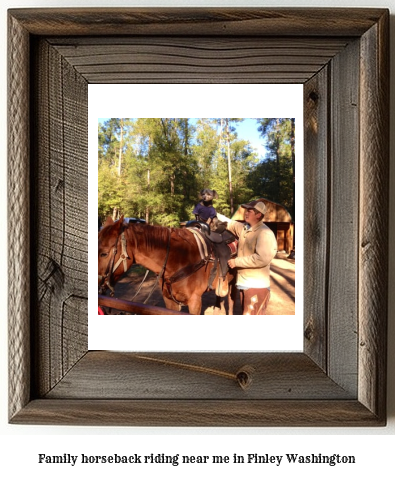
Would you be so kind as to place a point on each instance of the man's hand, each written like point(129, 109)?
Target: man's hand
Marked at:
point(231, 263)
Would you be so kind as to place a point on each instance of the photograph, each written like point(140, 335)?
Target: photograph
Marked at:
point(206, 206)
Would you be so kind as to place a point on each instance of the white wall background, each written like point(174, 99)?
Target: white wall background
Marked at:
point(21, 444)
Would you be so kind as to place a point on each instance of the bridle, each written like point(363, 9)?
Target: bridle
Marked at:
point(106, 279)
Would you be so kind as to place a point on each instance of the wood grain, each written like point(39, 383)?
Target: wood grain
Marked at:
point(257, 22)
point(60, 196)
point(316, 214)
point(201, 413)
point(373, 233)
point(230, 59)
point(18, 218)
point(196, 376)
point(341, 56)
point(343, 219)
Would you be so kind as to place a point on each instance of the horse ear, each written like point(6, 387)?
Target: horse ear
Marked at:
point(118, 225)
point(108, 222)
point(215, 194)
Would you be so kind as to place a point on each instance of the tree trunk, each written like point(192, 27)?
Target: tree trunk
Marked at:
point(172, 178)
point(148, 189)
point(120, 149)
point(115, 213)
point(229, 169)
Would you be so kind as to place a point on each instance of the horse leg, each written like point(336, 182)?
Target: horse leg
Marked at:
point(170, 304)
point(195, 304)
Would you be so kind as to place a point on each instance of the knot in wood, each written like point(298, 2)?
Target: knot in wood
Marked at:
point(308, 332)
point(313, 96)
point(244, 376)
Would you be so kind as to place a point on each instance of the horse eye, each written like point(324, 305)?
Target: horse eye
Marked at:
point(104, 254)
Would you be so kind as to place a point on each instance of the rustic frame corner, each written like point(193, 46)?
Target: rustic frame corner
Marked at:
point(342, 58)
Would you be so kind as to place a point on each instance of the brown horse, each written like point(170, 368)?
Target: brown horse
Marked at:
point(172, 253)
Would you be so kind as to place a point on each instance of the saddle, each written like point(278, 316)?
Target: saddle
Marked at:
point(217, 236)
point(224, 246)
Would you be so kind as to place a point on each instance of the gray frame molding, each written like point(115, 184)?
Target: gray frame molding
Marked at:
point(342, 58)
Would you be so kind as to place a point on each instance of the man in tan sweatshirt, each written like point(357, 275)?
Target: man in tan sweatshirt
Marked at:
point(257, 248)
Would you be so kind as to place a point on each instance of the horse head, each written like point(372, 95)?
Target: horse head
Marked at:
point(113, 258)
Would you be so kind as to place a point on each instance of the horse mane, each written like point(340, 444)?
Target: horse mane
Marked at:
point(146, 235)
point(154, 237)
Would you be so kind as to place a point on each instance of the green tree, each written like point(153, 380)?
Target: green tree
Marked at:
point(155, 167)
point(228, 133)
point(222, 159)
point(161, 169)
point(273, 178)
point(110, 176)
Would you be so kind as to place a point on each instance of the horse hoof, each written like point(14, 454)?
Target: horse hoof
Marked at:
point(219, 311)
point(214, 311)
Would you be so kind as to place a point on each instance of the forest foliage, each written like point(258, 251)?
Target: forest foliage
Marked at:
point(154, 168)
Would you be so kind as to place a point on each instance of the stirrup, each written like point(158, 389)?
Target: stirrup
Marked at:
point(222, 288)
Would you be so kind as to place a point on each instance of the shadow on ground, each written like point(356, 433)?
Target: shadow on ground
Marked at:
point(282, 298)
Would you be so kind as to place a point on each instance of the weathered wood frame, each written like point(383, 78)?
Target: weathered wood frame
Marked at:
point(342, 57)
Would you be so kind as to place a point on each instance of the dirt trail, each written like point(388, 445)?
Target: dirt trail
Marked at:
point(282, 299)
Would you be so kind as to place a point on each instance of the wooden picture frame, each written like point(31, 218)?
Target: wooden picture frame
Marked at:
point(342, 58)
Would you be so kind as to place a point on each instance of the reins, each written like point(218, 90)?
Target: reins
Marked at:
point(182, 274)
